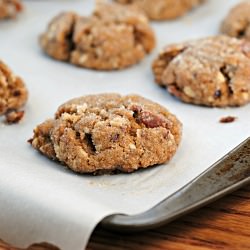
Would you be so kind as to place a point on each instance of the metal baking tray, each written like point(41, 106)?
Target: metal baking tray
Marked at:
point(225, 176)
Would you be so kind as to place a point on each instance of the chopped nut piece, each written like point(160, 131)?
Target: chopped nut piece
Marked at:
point(189, 92)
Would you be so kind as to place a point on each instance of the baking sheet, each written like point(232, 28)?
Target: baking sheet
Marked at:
point(42, 201)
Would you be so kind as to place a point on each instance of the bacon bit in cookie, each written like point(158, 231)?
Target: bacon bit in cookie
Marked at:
point(17, 92)
point(14, 116)
point(136, 109)
point(30, 140)
point(18, 6)
point(115, 137)
point(174, 90)
point(149, 119)
point(228, 119)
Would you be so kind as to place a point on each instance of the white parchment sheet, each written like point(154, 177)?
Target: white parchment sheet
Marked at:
point(42, 201)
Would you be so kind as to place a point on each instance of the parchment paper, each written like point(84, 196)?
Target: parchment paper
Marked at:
point(42, 201)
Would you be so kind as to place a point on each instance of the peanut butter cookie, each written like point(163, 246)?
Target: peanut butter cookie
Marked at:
point(107, 132)
point(10, 8)
point(113, 37)
point(237, 22)
point(163, 9)
point(213, 71)
point(13, 94)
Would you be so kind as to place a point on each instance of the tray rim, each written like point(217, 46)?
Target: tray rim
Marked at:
point(141, 222)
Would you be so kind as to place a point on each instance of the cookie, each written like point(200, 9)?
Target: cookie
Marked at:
point(108, 132)
point(113, 37)
point(237, 22)
point(10, 8)
point(163, 9)
point(213, 71)
point(13, 94)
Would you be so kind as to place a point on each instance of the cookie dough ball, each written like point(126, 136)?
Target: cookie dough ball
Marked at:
point(213, 71)
point(108, 132)
point(10, 8)
point(163, 9)
point(237, 22)
point(13, 94)
point(113, 37)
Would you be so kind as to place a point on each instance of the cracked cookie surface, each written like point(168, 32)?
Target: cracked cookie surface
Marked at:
point(113, 37)
point(163, 9)
point(213, 71)
point(56, 41)
point(13, 94)
point(237, 22)
point(107, 132)
point(10, 8)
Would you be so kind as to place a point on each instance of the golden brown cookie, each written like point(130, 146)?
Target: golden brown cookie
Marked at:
point(163, 9)
point(213, 71)
point(10, 8)
point(113, 37)
point(13, 94)
point(107, 132)
point(237, 22)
